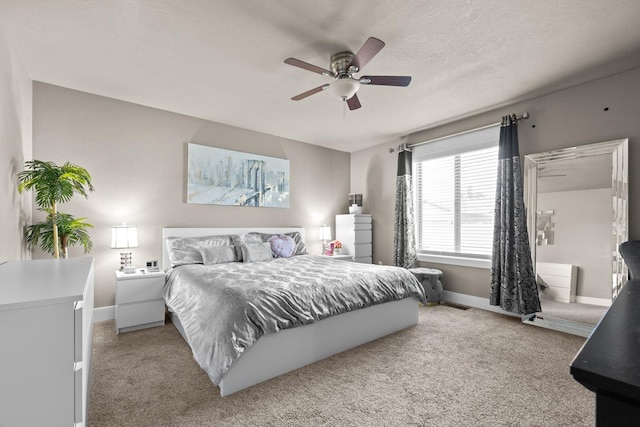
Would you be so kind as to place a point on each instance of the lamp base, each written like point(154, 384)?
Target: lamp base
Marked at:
point(125, 262)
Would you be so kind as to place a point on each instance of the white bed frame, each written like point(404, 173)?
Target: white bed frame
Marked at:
point(290, 349)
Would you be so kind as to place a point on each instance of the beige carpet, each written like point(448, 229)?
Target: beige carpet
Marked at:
point(455, 368)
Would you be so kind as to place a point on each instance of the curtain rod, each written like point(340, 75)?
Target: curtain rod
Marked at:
point(404, 146)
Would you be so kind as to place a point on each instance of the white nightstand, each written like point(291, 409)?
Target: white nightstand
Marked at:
point(139, 302)
point(343, 257)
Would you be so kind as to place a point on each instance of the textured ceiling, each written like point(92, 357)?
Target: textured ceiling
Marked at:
point(223, 60)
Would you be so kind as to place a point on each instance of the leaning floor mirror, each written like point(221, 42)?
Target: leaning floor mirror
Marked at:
point(576, 200)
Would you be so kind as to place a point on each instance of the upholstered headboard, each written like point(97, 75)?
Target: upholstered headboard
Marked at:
point(196, 232)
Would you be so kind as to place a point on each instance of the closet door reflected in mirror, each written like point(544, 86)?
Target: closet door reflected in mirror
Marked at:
point(576, 201)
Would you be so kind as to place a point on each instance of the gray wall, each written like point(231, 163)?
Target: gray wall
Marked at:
point(15, 148)
point(574, 116)
point(581, 236)
point(137, 158)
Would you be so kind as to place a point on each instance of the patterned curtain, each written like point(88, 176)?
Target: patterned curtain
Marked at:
point(404, 240)
point(513, 284)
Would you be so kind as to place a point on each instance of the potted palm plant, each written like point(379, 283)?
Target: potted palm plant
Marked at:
point(71, 231)
point(53, 185)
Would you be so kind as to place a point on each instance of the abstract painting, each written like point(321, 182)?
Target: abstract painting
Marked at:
point(224, 177)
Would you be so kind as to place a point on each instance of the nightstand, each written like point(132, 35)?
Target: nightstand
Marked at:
point(139, 302)
point(342, 257)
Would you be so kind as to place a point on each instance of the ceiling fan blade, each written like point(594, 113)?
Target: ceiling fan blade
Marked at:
point(369, 49)
point(353, 102)
point(386, 80)
point(303, 95)
point(306, 66)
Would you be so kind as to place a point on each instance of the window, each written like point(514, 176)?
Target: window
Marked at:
point(455, 179)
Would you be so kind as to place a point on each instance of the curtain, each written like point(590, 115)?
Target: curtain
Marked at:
point(404, 240)
point(513, 284)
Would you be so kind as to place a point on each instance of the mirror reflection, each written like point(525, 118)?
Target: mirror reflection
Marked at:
point(576, 208)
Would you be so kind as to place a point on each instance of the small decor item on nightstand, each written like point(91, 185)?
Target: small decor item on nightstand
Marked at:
point(152, 266)
point(337, 247)
point(124, 237)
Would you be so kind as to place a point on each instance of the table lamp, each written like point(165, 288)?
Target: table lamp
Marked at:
point(125, 237)
point(325, 236)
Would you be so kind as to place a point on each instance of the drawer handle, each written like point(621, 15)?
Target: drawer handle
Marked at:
point(77, 342)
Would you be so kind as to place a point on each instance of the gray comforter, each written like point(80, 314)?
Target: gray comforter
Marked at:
point(225, 308)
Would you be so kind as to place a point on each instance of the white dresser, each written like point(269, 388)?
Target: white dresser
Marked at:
point(558, 280)
point(46, 320)
point(354, 231)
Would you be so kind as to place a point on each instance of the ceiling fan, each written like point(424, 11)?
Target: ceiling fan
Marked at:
point(343, 67)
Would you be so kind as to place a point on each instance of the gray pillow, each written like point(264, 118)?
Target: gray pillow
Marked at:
point(186, 250)
point(254, 252)
point(244, 239)
point(218, 255)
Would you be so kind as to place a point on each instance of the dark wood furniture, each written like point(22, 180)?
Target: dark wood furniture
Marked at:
point(609, 362)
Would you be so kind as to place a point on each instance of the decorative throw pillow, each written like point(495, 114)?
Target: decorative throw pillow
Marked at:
point(243, 239)
point(218, 255)
point(282, 246)
point(254, 252)
point(301, 248)
point(186, 250)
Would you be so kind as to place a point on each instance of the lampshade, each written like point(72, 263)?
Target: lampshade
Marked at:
point(325, 232)
point(345, 88)
point(124, 236)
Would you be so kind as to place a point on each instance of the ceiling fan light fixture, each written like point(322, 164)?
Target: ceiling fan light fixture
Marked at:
point(345, 88)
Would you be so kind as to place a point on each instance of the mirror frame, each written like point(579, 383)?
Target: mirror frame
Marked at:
point(618, 149)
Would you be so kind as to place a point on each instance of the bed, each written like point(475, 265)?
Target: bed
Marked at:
point(262, 347)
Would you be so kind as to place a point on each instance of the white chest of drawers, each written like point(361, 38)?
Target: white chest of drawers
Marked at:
point(558, 280)
point(46, 328)
point(354, 232)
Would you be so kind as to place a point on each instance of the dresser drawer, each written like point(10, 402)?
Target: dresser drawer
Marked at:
point(362, 250)
point(140, 289)
point(362, 236)
point(362, 219)
point(128, 315)
point(78, 409)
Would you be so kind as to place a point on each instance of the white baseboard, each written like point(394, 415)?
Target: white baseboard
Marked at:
point(594, 301)
point(104, 313)
point(483, 304)
point(475, 302)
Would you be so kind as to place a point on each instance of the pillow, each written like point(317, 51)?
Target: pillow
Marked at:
point(301, 248)
point(282, 246)
point(254, 252)
point(186, 250)
point(218, 255)
point(243, 239)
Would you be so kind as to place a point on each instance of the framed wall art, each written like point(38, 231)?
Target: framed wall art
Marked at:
point(217, 176)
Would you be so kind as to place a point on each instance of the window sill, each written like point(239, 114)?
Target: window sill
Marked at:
point(452, 260)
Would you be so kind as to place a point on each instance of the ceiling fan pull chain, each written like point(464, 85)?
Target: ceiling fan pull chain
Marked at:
point(344, 109)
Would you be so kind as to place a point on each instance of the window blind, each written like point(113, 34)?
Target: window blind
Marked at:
point(455, 180)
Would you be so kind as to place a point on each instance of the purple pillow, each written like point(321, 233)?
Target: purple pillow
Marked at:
point(282, 246)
